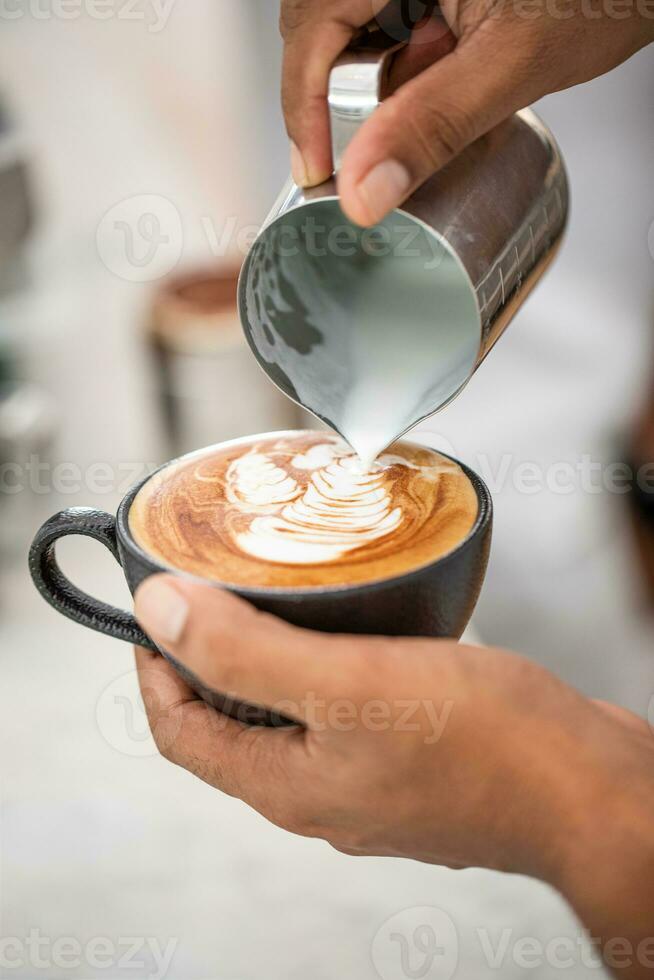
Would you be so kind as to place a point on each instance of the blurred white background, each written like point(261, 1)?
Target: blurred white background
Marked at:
point(102, 840)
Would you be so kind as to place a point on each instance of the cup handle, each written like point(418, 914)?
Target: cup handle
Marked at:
point(65, 597)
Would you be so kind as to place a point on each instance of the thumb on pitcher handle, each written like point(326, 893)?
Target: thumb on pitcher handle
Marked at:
point(65, 597)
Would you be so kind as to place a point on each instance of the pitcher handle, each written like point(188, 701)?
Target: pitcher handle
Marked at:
point(357, 85)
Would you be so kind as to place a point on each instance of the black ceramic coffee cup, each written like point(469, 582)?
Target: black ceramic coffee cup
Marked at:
point(435, 600)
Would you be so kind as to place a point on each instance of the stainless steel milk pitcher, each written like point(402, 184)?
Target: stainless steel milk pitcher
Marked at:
point(483, 230)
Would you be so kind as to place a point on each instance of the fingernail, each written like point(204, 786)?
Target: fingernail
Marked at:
point(298, 167)
point(384, 188)
point(161, 610)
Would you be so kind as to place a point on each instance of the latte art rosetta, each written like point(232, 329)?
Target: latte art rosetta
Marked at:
point(298, 510)
point(340, 509)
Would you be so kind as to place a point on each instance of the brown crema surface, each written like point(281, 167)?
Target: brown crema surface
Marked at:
point(241, 514)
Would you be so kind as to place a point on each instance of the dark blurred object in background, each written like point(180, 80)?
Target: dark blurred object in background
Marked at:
point(16, 213)
point(27, 416)
point(209, 386)
point(27, 432)
point(642, 497)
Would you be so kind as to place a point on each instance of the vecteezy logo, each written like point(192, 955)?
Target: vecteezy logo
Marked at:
point(416, 944)
point(399, 19)
point(141, 239)
point(122, 720)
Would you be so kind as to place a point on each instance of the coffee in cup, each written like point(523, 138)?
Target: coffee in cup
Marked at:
point(299, 511)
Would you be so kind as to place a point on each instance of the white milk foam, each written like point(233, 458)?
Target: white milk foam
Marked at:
point(406, 364)
point(343, 507)
point(371, 343)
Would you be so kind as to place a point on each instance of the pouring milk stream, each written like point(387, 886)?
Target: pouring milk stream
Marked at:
point(374, 330)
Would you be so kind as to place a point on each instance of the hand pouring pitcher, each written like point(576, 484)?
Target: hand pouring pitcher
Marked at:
point(374, 330)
